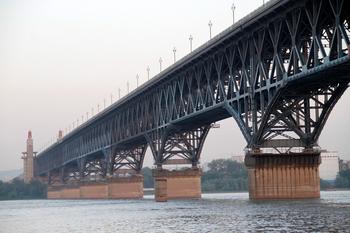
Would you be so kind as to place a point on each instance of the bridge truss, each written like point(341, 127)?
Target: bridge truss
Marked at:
point(278, 72)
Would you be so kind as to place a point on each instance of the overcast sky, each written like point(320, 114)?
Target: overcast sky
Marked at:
point(59, 59)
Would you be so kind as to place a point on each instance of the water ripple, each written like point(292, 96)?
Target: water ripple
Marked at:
point(212, 213)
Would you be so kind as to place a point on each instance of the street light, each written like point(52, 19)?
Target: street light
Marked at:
point(191, 39)
point(263, 2)
point(98, 108)
point(160, 64)
point(127, 86)
point(137, 80)
point(233, 8)
point(87, 115)
point(111, 99)
point(210, 24)
point(174, 50)
point(92, 111)
point(104, 103)
point(118, 93)
point(148, 70)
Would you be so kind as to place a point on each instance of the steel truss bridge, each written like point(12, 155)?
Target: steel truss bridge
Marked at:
point(278, 72)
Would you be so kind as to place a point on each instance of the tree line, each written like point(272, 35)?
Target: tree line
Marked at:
point(341, 182)
point(17, 189)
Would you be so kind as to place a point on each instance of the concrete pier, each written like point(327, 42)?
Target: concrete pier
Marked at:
point(115, 188)
point(180, 184)
point(283, 176)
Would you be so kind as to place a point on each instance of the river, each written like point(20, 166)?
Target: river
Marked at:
point(229, 212)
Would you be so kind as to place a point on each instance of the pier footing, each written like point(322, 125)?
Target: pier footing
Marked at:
point(283, 176)
point(116, 188)
point(182, 184)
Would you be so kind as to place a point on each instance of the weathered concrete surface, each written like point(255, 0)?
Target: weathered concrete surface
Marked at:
point(116, 188)
point(70, 193)
point(126, 188)
point(180, 184)
point(54, 194)
point(93, 190)
point(161, 192)
point(283, 176)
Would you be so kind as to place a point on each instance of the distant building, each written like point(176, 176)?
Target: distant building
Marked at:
point(329, 167)
point(344, 165)
point(28, 160)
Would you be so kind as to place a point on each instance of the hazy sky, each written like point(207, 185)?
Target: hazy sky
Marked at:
point(58, 59)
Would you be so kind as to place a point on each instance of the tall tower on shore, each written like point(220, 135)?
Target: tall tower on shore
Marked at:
point(28, 160)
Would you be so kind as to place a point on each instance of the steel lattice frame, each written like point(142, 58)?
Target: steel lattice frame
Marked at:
point(278, 73)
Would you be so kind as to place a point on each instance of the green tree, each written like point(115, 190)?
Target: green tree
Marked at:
point(17, 189)
point(148, 181)
point(225, 175)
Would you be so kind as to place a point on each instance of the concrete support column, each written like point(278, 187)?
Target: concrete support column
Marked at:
point(180, 184)
point(283, 176)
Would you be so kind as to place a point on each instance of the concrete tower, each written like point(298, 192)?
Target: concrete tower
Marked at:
point(28, 160)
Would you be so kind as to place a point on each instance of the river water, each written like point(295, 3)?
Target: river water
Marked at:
point(229, 212)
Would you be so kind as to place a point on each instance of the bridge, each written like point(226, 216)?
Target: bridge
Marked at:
point(278, 73)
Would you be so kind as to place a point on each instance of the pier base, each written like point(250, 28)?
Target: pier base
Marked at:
point(94, 190)
point(181, 184)
point(70, 192)
point(54, 192)
point(283, 176)
point(116, 188)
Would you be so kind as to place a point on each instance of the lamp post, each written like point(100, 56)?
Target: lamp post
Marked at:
point(118, 93)
point(263, 2)
point(174, 51)
point(92, 111)
point(111, 99)
point(87, 115)
point(191, 39)
point(137, 80)
point(104, 103)
point(127, 86)
point(148, 70)
point(210, 24)
point(160, 64)
point(98, 108)
point(233, 8)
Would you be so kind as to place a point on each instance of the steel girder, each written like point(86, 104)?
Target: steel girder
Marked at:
point(253, 73)
point(131, 159)
point(99, 166)
point(167, 144)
